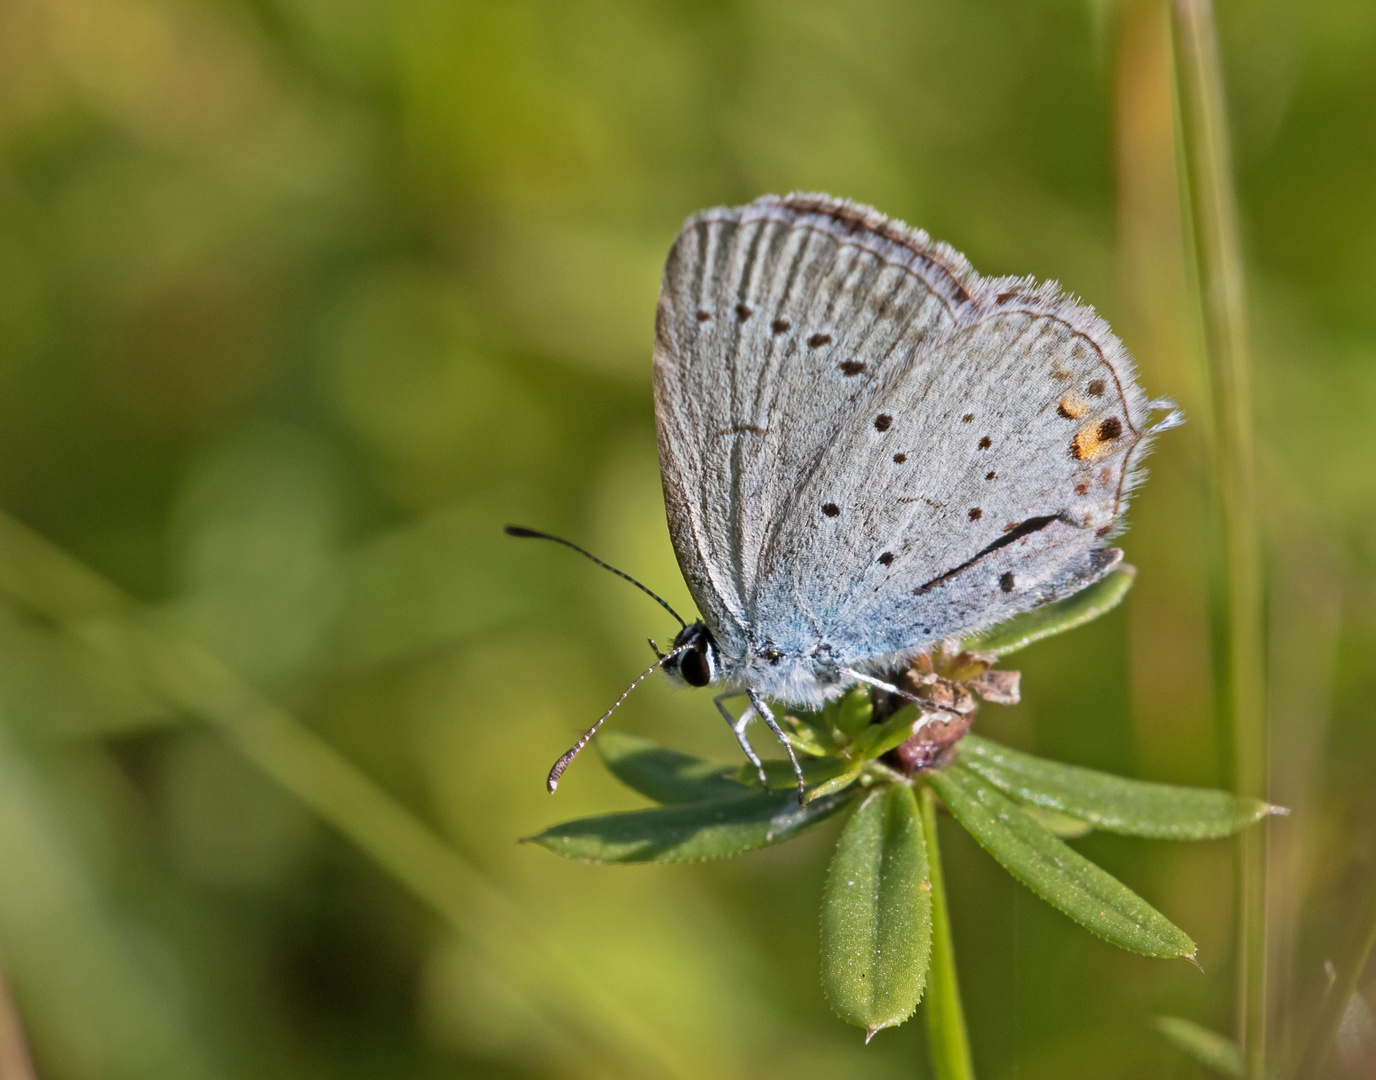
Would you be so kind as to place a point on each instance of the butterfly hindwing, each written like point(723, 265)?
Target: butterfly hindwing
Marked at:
point(973, 484)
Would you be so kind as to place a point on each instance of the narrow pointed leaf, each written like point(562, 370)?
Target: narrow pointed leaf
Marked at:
point(689, 831)
point(1111, 803)
point(853, 712)
point(1085, 606)
point(837, 783)
point(879, 739)
point(665, 775)
point(1056, 823)
point(1058, 874)
point(877, 913)
point(805, 739)
point(781, 776)
point(1215, 1052)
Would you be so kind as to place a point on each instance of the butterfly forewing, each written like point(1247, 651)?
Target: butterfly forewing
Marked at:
point(775, 321)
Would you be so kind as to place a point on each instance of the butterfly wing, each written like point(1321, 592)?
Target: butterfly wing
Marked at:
point(976, 482)
point(775, 320)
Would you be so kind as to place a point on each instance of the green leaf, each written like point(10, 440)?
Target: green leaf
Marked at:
point(1085, 606)
point(837, 783)
point(804, 738)
point(879, 739)
point(1212, 1050)
point(665, 775)
point(1058, 874)
point(853, 712)
point(877, 913)
point(1209, 1048)
point(699, 830)
point(1056, 823)
point(781, 776)
point(1111, 803)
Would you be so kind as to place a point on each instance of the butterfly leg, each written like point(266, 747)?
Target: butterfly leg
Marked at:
point(738, 728)
point(763, 709)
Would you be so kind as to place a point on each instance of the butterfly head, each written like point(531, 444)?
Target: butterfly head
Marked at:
point(696, 665)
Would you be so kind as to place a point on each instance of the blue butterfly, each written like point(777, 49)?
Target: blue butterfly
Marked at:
point(867, 449)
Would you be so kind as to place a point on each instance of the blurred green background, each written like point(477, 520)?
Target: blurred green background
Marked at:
point(301, 300)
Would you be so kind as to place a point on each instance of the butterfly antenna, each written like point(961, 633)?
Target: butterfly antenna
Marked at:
point(573, 751)
point(531, 534)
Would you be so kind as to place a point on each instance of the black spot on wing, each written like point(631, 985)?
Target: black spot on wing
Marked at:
point(1025, 528)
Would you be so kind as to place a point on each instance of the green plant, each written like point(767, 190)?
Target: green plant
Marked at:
point(884, 764)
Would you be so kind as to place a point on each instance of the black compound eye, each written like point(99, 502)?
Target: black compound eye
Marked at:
point(694, 668)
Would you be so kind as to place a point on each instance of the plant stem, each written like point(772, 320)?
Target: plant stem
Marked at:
point(947, 1040)
point(1335, 1005)
point(1243, 694)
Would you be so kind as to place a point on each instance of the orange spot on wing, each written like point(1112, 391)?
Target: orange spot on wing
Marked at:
point(1095, 438)
point(1072, 407)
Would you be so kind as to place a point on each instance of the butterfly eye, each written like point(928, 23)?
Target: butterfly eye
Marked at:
point(694, 668)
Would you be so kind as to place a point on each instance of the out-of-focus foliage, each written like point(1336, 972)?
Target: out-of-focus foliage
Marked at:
point(300, 301)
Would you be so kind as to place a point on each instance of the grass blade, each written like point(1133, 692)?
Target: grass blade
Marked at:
point(1324, 1031)
point(1215, 1052)
point(1241, 665)
point(188, 678)
point(1058, 874)
point(877, 913)
point(1111, 803)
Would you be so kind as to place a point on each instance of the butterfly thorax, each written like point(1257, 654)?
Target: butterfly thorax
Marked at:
point(803, 680)
point(802, 677)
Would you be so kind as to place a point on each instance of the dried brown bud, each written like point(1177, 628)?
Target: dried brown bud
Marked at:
point(1000, 687)
point(933, 744)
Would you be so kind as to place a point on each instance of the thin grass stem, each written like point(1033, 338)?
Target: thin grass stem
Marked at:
point(606, 1026)
point(1334, 1007)
point(947, 1040)
point(1242, 689)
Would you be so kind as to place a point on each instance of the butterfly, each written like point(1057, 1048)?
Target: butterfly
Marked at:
point(867, 449)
